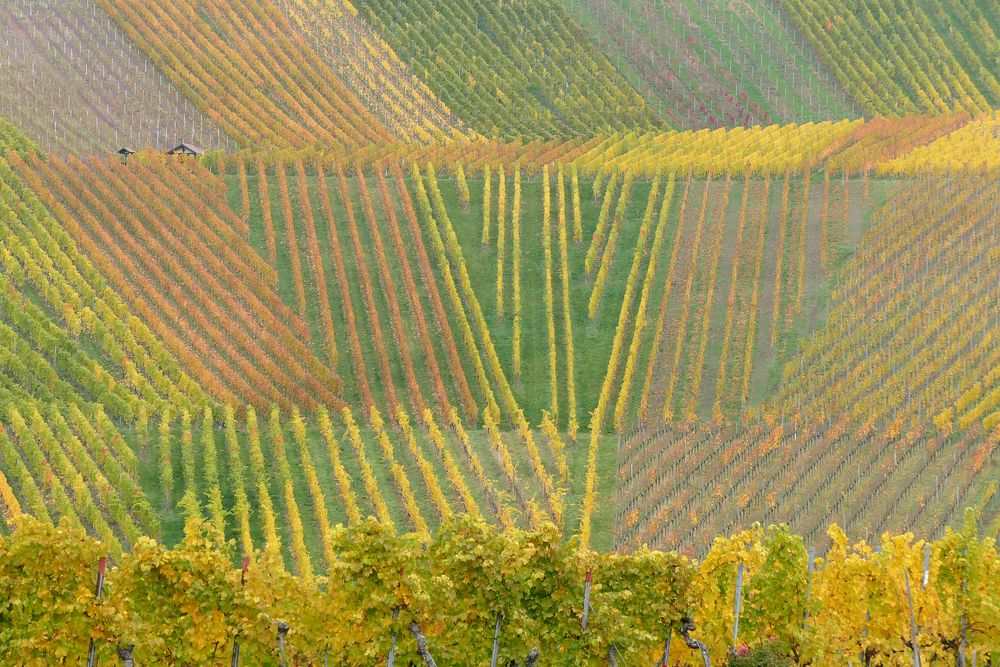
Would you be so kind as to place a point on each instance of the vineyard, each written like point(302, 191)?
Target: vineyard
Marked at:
point(423, 468)
point(299, 283)
point(897, 390)
point(713, 64)
point(531, 595)
point(532, 332)
point(62, 450)
point(474, 364)
point(522, 70)
point(71, 79)
point(903, 58)
point(370, 67)
point(248, 71)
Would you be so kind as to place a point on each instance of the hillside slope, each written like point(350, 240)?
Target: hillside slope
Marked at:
point(927, 56)
point(372, 70)
point(77, 366)
point(715, 63)
point(887, 415)
point(246, 68)
point(519, 69)
point(172, 248)
point(75, 83)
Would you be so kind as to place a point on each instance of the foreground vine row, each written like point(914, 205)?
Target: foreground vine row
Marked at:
point(189, 605)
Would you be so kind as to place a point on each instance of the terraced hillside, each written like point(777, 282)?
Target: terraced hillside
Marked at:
point(77, 365)
point(75, 83)
point(367, 276)
point(296, 74)
point(472, 302)
point(411, 468)
point(170, 247)
point(928, 56)
point(712, 64)
point(372, 70)
point(887, 413)
point(437, 339)
point(518, 70)
point(271, 482)
point(972, 148)
point(373, 309)
point(249, 71)
point(795, 236)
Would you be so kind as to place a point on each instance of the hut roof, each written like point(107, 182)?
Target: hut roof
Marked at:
point(185, 149)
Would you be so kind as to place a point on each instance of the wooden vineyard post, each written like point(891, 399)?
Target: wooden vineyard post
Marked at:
point(586, 599)
point(236, 640)
point(102, 566)
point(422, 650)
point(125, 655)
point(961, 646)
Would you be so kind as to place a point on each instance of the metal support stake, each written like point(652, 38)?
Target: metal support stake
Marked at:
point(809, 571)
point(665, 660)
point(102, 566)
point(737, 603)
point(913, 623)
point(496, 642)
